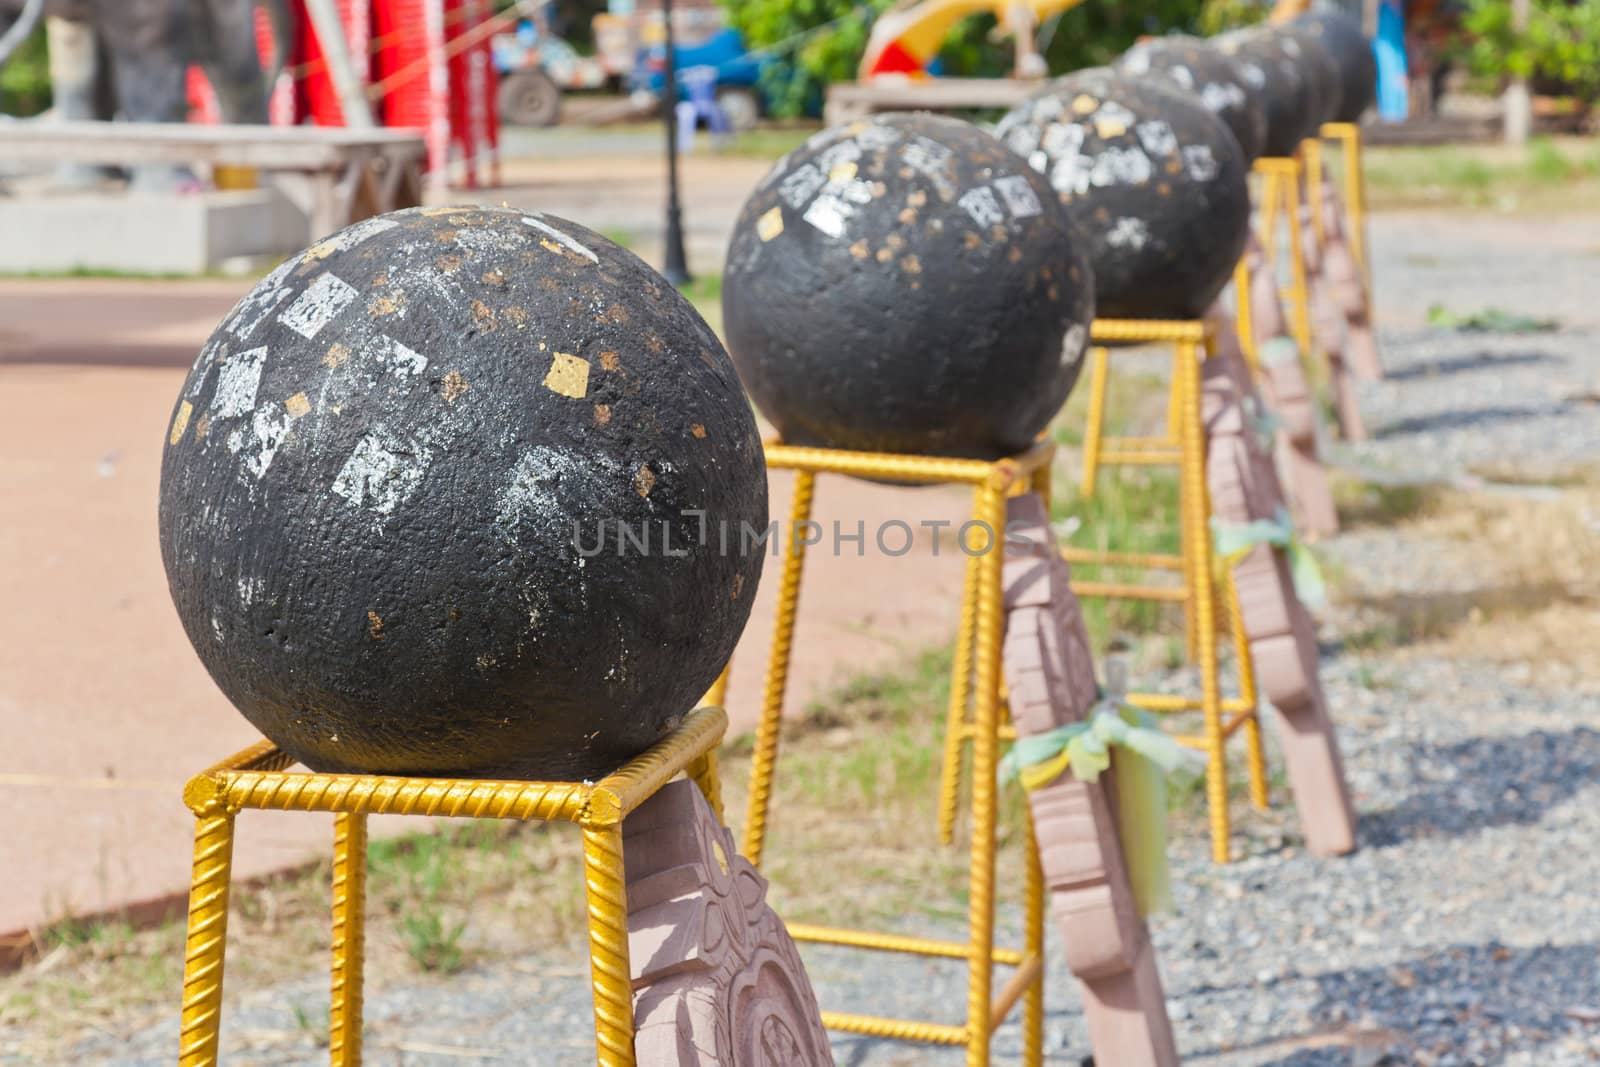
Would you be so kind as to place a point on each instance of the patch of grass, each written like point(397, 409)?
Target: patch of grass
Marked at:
point(1549, 174)
point(75, 273)
point(1131, 400)
point(1510, 472)
point(769, 142)
point(433, 943)
point(1534, 595)
point(1131, 510)
point(1375, 504)
point(1548, 164)
point(858, 777)
point(313, 1022)
point(705, 293)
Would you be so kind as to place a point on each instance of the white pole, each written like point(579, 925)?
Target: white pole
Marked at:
point(438, 101)
point(336, 53)
point(1517, 101)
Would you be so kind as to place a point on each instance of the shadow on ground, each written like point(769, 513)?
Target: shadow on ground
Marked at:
point(1508, 999)
point(1456, 420)
point(1494, 781)
point(1476, 361)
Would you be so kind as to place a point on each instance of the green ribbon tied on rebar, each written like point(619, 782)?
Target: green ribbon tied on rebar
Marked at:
point(1280, 349)
point(1128, 740)
point(1261, 422)
point(1234, 539)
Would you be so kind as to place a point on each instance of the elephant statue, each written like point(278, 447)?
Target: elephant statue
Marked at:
point(150, 45)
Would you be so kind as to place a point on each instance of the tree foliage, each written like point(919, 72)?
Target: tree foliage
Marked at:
point(820, 41)
point(25, 79)
point(1561, 43)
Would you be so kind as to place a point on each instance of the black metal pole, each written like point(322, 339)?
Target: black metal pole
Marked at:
point(675, 269)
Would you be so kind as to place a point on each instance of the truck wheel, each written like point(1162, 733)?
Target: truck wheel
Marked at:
point(529, 98)
point(741, 106)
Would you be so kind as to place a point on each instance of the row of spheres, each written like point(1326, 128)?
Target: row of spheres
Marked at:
point(903, 285)
point(403, 478)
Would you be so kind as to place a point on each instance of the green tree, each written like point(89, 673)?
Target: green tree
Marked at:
point(1561, 43)
point(25, 79)
point(820, 41)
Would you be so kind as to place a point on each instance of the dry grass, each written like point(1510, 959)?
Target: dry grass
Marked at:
point(1549, 175)
point(1536, 598)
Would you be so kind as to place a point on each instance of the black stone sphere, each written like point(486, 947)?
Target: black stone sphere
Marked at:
point(1216, 80)
point(1358, 67)
point(1283, 84)
point(906, 284)
point(1154, 180)
point(1321, 72)
point(384, 487)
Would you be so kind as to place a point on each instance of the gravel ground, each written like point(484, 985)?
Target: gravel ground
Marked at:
point(1456, 402)
point(1464, 931)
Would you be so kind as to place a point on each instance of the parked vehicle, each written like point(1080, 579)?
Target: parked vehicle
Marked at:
point(536, 67)
point(738, 74)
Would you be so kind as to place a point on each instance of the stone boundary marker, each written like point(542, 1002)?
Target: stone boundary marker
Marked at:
point(1050, 674)
point(1283, 644)
point(717, 980)
point(1289, 396)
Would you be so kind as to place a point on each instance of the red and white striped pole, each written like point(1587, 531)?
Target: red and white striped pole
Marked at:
point(438, 135)
point(477, 84)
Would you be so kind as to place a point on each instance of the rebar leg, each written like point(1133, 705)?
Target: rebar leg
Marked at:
point(1246, 325)
point(766, 751)
point(349, 938)
point(1178, 399)
point(1312, 149)
point(1037, 892)
point(703, 772)
point(1034, 908)
point(1196, 510)
point(1356, 198)
point(207, 939)
point(717, 695)
point(1269, 214)
point(1255, 755)
point(609, 968)
point(1299, 289)
point(957, 722)
point(1099, 373)
point(980, 963)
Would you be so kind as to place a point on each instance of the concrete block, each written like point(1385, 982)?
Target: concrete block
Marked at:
point(189, 233)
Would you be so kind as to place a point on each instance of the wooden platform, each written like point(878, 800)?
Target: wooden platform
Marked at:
point(347, 174)
point(848, 101)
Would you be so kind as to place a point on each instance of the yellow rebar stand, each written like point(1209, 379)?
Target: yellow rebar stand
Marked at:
point(976, 673)
point(1354, 181)
point(257, 778)
point(1282, 187)
point(1183, 447)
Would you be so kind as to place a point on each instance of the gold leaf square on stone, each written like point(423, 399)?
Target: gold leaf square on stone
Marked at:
point(770, 225)
point(568, 376)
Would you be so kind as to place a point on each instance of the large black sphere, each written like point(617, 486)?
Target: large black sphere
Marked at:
point(1290, 118)
point(1321, 72)
point(1214, 79)
point(906, 284)
point(384, 485)
point(1358, 67)
point(1156, 182)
